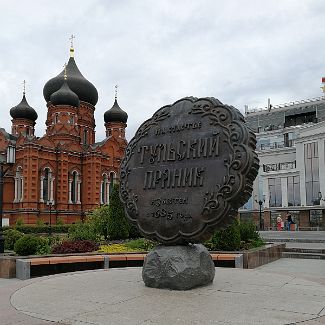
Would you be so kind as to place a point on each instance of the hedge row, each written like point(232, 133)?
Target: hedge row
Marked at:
point(35, 229)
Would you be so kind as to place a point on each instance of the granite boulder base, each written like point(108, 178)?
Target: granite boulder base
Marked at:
point(180, 267)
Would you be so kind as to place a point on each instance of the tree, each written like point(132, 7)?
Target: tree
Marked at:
point(117, 226)
point(99, 218)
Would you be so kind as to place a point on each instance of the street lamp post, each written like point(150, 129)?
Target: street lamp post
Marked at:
point(260, 202)
point(11, 158)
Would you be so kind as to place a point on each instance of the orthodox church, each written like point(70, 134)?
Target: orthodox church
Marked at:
point(64, 173)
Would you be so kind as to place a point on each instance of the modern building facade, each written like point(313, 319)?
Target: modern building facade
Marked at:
point(291, 179)
point(64, 173)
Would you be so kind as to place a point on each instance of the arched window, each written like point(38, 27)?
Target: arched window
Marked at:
point(74, 188)
point(85, 136)
point(46, 193)
point(46, 185)
point(104, 190)
point(19, 185)
point(56, 118)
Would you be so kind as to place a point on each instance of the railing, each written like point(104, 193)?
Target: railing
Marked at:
point(276, 145)
point(298, 102)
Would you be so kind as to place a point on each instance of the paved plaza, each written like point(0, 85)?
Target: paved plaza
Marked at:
point(295, 236)
point(287, 291)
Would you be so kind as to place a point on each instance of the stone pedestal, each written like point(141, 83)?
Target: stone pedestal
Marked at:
point(180, 267)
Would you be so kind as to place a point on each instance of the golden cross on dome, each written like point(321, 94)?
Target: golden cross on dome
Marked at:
point(65, 72)
point(71, 39)
point(24, 87)
point(116, 86)
point(71, 46)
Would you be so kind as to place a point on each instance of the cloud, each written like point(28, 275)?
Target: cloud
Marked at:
point(241, 52)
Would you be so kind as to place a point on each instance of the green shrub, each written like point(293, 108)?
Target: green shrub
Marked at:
point(140, 244)
point(99, 218)
point(248, 231)
point(227, 239)
point(19, 222)
point(83, 231)
point(39, 222)
point(11, 236)
point(31, 245)
point(110, 222)
point(34, 229)
point(237, 236)
point(252, 243)
point(117, 227)
point(59, 222)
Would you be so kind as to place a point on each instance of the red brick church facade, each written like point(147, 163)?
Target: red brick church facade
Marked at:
point(64, 172)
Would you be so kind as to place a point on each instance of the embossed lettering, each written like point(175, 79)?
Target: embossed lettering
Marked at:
point(175, 178)
point(191, 149)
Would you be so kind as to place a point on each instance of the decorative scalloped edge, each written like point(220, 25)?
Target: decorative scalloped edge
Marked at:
point(227, 197)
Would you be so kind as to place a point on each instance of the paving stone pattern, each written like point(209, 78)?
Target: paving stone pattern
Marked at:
point(267, 295)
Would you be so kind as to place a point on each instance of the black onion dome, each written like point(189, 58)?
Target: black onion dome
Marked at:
point(23, 110)
point(83, 88)
point(64, 96)
point(115, 114)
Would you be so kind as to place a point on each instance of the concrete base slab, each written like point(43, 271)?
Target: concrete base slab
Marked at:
point(118, 296)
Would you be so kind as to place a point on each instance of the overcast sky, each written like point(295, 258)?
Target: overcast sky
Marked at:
point(241, 52)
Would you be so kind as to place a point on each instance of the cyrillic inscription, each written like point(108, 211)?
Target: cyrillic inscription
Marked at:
point(178, 128)
point(178, 151)
point(173, 178)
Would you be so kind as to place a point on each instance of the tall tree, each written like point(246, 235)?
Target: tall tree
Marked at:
point(117, 227)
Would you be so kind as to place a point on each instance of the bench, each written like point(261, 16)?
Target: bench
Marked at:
point(39, 266)
point(219, 259)
point(228, 260)
point(129, 260)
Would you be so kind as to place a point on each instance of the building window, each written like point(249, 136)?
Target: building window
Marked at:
point(316, 218)
point(85, 136)
point(288, 139)
point(293, 191)
point(104, 197)
point(56, 118)
point(74, 188)
point(298, 119)
point(19, 185)
point(311, 173)
point(275, 192)
point(71, 119)
point(47, 180)
point(46, 185)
